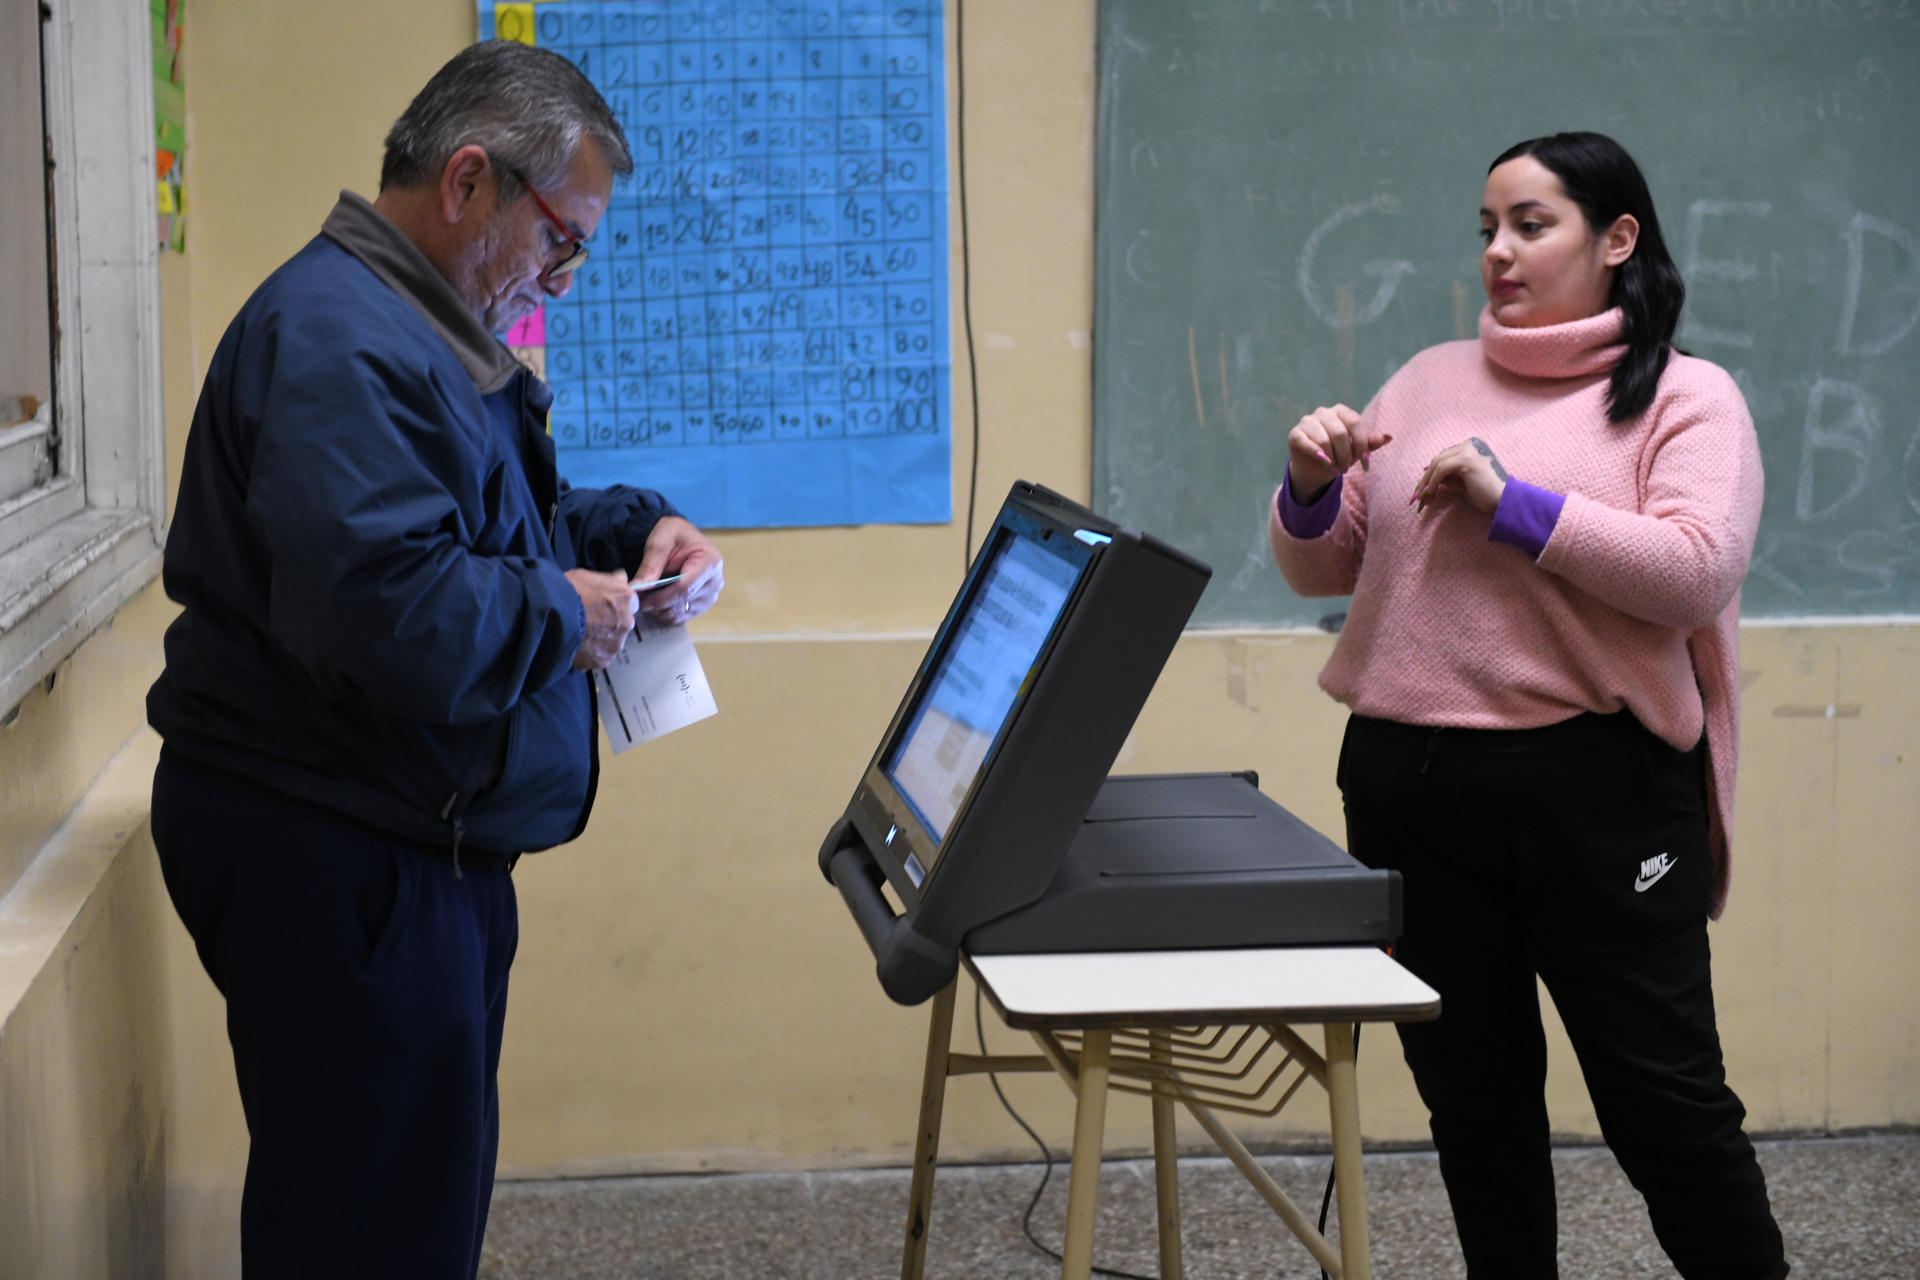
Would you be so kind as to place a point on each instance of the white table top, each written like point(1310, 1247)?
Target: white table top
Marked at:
point(1231, 986)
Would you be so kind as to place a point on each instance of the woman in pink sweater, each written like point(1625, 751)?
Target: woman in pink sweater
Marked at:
point(1544, 533)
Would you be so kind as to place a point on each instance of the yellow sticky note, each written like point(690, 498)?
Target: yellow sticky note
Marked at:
point(513, 22)
point(166, 198)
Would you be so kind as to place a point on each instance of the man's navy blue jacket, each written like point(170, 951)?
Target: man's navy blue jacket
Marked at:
point(370, 544)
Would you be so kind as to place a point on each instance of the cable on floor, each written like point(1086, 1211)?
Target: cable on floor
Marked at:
point(1026, 1219)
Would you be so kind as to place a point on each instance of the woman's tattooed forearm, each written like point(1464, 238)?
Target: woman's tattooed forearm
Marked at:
point(1480, 447)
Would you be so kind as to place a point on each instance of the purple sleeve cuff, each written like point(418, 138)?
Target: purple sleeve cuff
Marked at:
point(1309, 520)
point(1526, 516)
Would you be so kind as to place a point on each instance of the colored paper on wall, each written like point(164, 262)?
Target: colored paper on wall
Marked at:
point(512, 22)
point(531, 331)
point(170, 122)
point(760, 331)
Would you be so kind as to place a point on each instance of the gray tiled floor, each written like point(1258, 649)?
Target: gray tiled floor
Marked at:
point(1850, 1207)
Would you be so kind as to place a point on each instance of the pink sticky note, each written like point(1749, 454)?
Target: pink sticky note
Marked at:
point(531, 331)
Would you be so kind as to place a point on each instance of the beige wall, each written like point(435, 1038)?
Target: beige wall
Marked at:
point(121, 1140)
point(119, 1124)
point(689, 993)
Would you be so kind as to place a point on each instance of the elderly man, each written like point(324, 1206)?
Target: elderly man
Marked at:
point(377, 695)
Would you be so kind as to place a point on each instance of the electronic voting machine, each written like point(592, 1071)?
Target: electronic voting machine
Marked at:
point(987, 807)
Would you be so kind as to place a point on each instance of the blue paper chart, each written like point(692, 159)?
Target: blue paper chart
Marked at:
point(761, 330)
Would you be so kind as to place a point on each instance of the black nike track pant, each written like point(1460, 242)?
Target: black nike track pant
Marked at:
point(1578, 853)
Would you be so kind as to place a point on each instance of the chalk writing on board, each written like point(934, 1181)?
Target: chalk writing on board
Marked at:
point(1846, 422)
point(1851, 429)
point(760, 331)
point(1875, 344)
point(1286, 200)
point(1697, 267)
point(1388, 270)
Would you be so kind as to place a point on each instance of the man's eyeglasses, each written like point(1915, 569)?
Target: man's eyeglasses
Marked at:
point(575, 255)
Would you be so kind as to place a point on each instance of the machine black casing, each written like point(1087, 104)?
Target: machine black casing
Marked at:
point(1045, 852)
point(1191, 860)
point(1007, 838)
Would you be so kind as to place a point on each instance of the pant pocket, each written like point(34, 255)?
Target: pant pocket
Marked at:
point(386, 905)
point(1676, 780)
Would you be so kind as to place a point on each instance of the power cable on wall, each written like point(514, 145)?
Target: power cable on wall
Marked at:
point(966, 267)
point(966, 560)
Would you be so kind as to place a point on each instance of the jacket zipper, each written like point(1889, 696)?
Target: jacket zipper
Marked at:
point(446, 810)
point(459, 831)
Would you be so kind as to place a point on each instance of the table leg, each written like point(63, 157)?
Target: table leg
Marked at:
point(1166, 1162)
point(1290, 1213)
point(1343, 1099)
point(926, 1146)
point(1089, 1136)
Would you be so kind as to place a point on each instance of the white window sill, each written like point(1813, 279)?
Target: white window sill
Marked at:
point(59, 587)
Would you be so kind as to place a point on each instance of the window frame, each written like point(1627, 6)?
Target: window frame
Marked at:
point(81, 545)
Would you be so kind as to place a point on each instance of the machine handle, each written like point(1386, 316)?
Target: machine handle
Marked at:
point(854, 872)
point(911, 967)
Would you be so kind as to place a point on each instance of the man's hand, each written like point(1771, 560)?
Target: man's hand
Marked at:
point(610, 606)
point(675, 546)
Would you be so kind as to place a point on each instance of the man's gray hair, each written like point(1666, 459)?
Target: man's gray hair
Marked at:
point(528, 107)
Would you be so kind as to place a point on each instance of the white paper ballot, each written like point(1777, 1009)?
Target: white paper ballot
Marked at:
point(653, 686)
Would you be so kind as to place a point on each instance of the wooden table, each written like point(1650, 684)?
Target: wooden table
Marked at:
point(1191, 1028)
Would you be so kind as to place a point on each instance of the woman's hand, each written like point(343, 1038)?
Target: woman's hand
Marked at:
point(1466, 471)
point(1324, 445)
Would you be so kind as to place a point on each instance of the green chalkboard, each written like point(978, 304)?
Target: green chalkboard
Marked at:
point(1287, 209)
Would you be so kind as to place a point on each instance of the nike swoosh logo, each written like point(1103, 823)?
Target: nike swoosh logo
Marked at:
point(1645, 883)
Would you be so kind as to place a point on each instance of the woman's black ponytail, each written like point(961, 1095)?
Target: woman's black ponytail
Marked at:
point(1603, 180)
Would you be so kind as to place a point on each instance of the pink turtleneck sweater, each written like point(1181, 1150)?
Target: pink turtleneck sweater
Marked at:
point(1633, 600)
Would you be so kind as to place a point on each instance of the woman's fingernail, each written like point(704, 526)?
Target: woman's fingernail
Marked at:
point(1323, 457)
